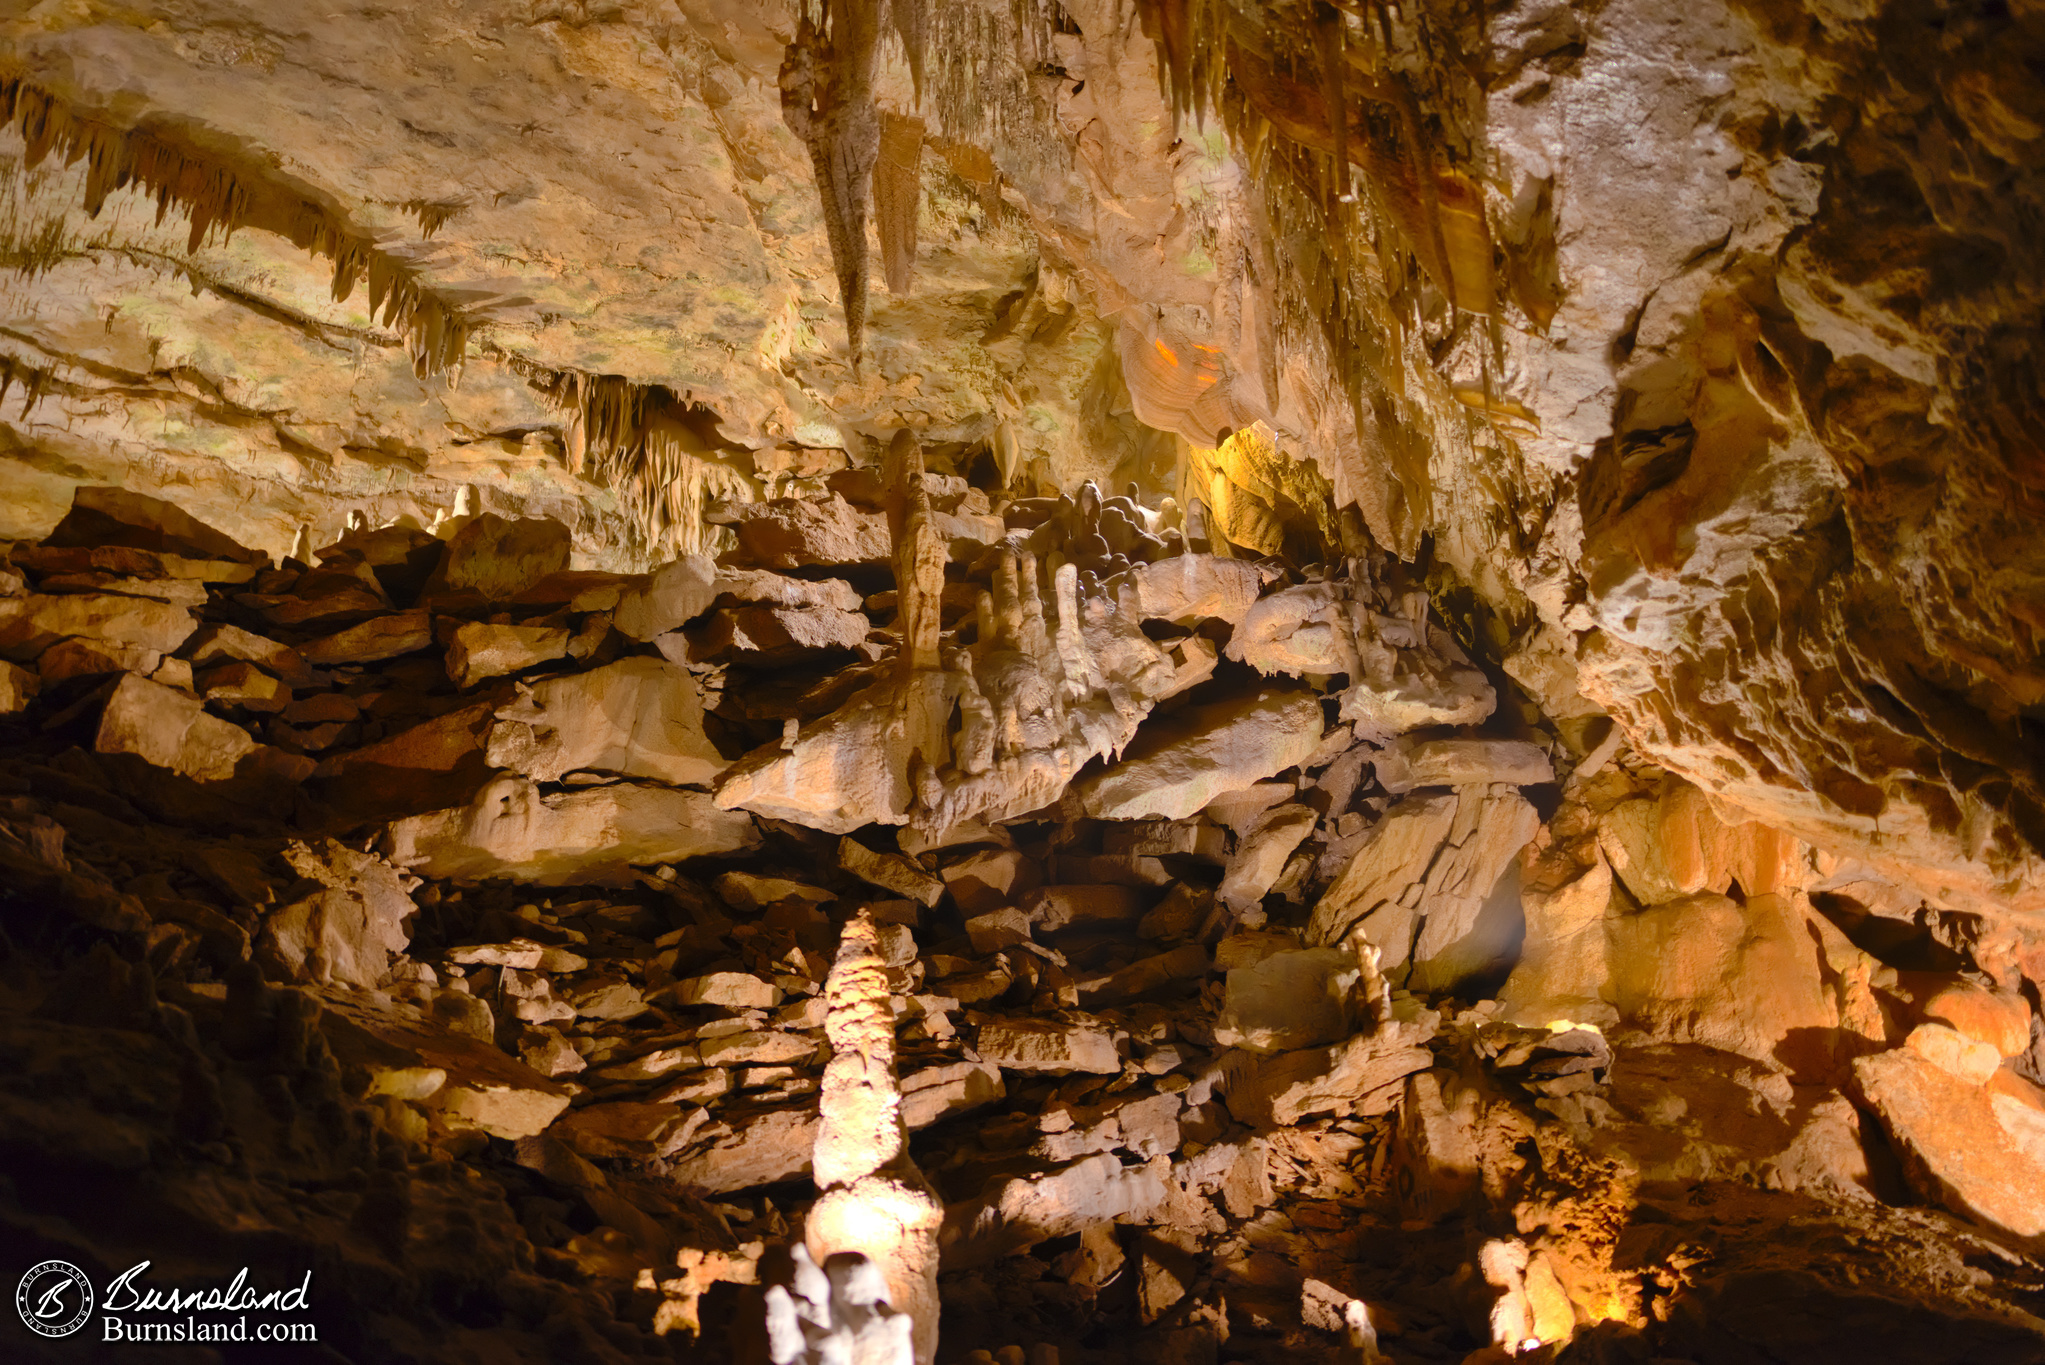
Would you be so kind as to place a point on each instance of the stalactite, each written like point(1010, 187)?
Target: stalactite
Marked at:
point(635, 439)
point(897, 194)
point(216, 197)
point(827, 102)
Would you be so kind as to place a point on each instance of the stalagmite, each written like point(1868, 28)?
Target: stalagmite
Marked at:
point(871, 1199)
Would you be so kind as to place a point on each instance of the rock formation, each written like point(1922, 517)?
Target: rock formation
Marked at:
point(1384, 708)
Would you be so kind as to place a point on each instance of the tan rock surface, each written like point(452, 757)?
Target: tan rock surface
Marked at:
point(638, 717)
point(513, 830)
point(478, 650)
point(1186, 761)
point(1954, 1147)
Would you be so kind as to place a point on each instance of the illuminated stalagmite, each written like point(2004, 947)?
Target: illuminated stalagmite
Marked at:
point(871, 1199)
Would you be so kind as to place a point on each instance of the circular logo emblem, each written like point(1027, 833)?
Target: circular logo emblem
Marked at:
point(54, 1299)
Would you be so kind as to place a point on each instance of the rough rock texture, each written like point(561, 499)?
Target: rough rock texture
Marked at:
point(1329, 514)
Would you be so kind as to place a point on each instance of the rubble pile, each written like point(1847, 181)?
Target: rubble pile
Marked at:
point(1198, 956)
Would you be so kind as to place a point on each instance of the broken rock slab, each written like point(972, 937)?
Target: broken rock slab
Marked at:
point(164, 727)
point(639, 717)
point(512, 830)
point(1049, 1045)
point(793, 533)
point(890, 872)
point(785, 590)
point(938, 1092)
point(218, 643)
point(18, 687)
point(767, 634)
point(479, 650)
point(1461, 763)
point(627, 1130)
point(1177, 765)
point(1289, 1001)
point(1190, 588)
point(32, 623)
point(675, 594)
point(371, 641)
point(102, 516)
point(496, 559)
point(385, 1050)
point(1363, 1076)
point(748, 1145)
point(1262, 852)
point(1022, 1211)
point(347, 931)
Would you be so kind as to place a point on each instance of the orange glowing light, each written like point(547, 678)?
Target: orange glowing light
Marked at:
point(1166, 352)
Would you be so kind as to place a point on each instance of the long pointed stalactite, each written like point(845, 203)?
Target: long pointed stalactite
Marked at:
point(827, 100)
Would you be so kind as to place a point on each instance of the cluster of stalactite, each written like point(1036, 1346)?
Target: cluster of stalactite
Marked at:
point(216, 196)
point(639, 441)
point(970, 64)
point(1355, 166)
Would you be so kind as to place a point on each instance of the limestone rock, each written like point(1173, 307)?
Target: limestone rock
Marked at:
point(1025, 1210)
point(1954, 1053)
point(628, 1131)
point(347, 932)
point(748, 1146)
point(1178, 765)
point(890, 872)
point(171, 730)
point(1048, 1045)
point(1092, 906)
point(1412, 674)
point(18, 687)
point(498, 559)
point(774, 634)
point(1462, 763)
point(1289, 1001)
point(31, 624)
point(677, 593)
point(785, 590)
point(732, 990)
point(936, 1093)
point(101, 516)
point(1470, 910)
point(638, 717)
point(2000, 1019)
point(1745, 979)
point(986, 880)
point(382, 637)
point(1668, 846)
point(76, 658)
point(478, 650)
point(435, 763)
point(1363, 1076)
point(1190, 588)
point(1260, 856)
point(244, 686)
point(1426, 883)
point(214, 643)
point(1300, 630)
point(795, 534)
point(512, 830)
point(1955, 1149)
point(465, 1082)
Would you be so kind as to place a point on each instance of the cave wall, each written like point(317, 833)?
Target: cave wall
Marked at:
point(1744, 455)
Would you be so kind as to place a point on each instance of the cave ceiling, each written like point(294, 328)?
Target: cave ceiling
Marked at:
point(1693, 341)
